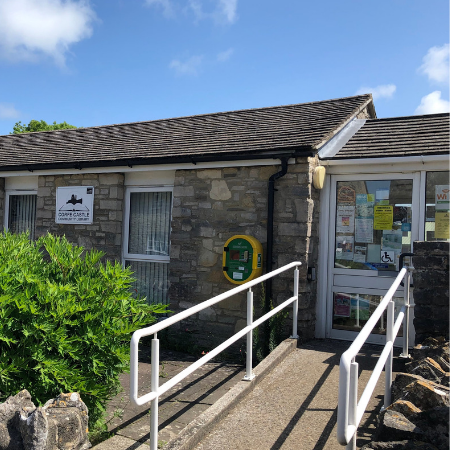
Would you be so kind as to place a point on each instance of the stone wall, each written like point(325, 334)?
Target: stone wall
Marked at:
point(431, 289)
point(2, 202)
point(212, 205)
point(105, 233)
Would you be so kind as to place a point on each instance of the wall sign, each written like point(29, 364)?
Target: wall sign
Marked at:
point(75, 204)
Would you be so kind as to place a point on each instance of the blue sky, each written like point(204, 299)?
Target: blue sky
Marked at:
point(113, 61)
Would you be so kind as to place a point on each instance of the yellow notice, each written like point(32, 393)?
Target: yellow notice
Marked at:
point(441, 222)
point(383, 217)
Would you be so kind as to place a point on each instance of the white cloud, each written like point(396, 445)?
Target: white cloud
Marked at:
point(221, 11)
point(30, 29)
point(227, 9)
point(166, 5)
point(381, 91)
point(189, 67)
point(197, 8)
point(435, 64)
point(7, 111)
point(433, 104)
point(225, 56)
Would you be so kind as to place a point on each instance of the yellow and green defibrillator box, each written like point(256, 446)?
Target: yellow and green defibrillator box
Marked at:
point(242, 259)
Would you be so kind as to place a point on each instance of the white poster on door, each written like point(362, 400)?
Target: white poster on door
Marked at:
point(364, 230)
point(345, 219)
point(75, 204)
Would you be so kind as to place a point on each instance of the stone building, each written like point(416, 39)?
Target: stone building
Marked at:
point(167, 194)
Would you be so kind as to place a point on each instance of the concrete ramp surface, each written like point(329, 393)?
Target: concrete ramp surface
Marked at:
point(295, 406)
point(290, 405)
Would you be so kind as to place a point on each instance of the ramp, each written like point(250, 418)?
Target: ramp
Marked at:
point(292, 406)
point(295, 406)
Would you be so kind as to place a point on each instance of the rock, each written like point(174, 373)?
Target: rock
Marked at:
point(404, 379)
point(426, 395)
point(67, 429)
point(33, 426)
point(427, 368)
point(394, 426)
point(434, 422)
point(404, 407)
point(10, 437)
point(61, 424)
point(431, 347)
point(445, 366)
point(399, 445)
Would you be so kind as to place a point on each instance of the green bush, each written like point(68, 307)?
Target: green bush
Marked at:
point(65, 321)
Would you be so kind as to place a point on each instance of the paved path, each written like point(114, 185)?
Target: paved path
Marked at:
point(179, 405)
point(295, 406)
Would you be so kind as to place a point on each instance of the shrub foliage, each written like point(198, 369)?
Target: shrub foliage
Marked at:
point(65, 321)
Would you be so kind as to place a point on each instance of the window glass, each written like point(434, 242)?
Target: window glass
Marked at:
point(149, 243)
point(149, 223)
point(151, 280)
point(373, 224)
point(437, 207)
point(22, 214)
point(352, 311)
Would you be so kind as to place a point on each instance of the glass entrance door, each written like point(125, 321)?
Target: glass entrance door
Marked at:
point(373, 221)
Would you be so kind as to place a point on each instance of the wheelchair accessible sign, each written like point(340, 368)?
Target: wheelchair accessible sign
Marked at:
point(75, 204)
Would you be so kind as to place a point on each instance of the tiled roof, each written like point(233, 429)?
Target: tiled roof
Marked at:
point(253, 133)
point(399, 136)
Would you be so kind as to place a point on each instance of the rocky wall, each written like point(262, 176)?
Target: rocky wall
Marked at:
point(431, 289)
point(419, 414)
point(61, 424)
point(2, 202)
point(212, 205)
point(105, 233)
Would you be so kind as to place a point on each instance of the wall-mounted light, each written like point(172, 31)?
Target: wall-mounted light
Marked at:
point(319, 177)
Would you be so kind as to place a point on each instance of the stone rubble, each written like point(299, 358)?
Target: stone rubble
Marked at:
point(61, 424)
point(418, 418)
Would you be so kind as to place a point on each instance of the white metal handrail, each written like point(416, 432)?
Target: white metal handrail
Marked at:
point(156, 390)
point(350, 411)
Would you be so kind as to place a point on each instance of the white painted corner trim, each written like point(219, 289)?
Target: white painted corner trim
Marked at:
point(332, 147)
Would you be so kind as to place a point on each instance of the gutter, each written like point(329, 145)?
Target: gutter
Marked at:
point(270, 209)
point(270, 218)
point(130, 162)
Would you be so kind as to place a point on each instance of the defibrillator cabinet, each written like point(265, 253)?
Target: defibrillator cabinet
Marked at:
point(242, 259)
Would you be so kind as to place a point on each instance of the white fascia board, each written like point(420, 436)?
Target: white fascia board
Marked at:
point(147, 168)
point(397, 164)
point(332, 147)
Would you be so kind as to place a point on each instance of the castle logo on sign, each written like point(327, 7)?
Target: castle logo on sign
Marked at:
point(75, 204)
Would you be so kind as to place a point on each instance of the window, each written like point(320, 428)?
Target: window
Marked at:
point(373, 223)
point(147, 240)
point(437, 207)
point(21, 212)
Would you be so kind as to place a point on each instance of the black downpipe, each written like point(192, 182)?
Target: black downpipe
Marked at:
point(270, 208)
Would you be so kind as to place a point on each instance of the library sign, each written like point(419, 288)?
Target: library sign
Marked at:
point(75, 204)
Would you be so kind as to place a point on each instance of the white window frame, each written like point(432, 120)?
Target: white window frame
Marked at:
point(413, 167)
point(126, 256)
point(8, 194)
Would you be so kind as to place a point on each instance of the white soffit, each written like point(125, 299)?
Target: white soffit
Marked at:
point(150, 178)
point(339, 140)
point(24, 183)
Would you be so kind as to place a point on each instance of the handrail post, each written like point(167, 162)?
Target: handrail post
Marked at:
point(406, 294)
point(353, 403)
point(388, 365)
point(248, 371)
point(295, 305)
point(154, 388)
